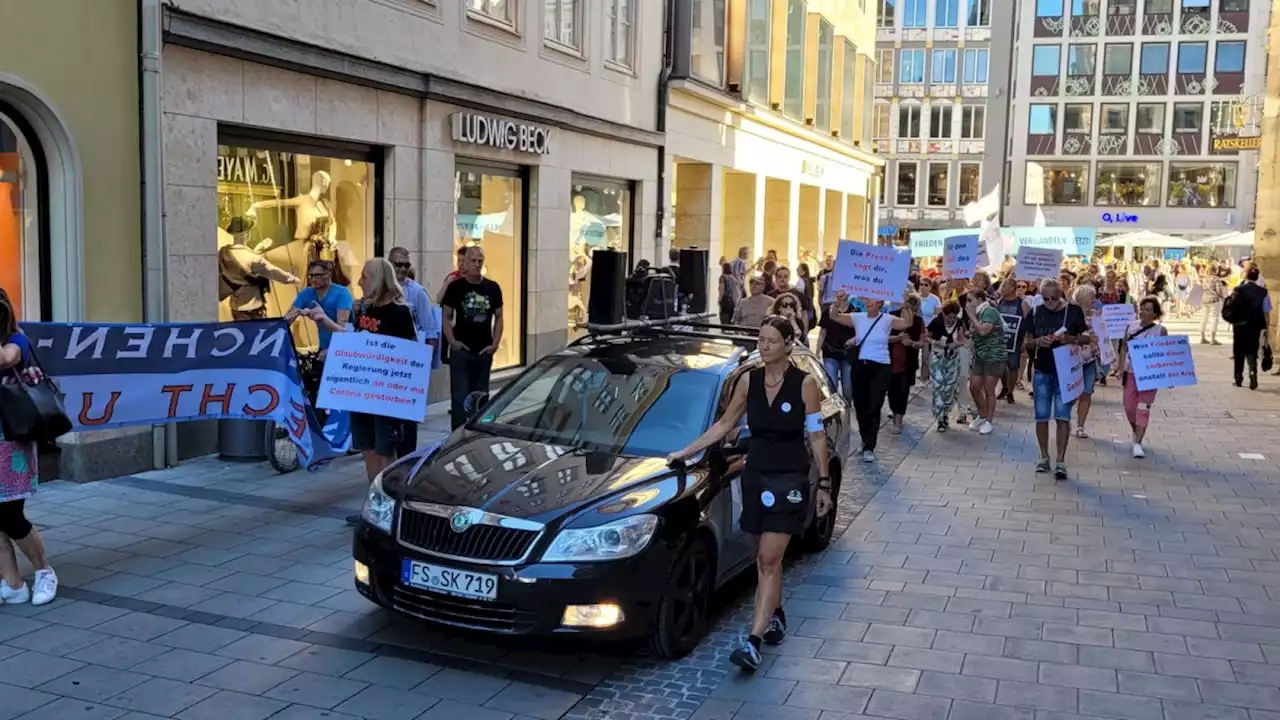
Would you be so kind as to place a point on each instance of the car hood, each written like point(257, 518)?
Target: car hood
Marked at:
point(524, 479)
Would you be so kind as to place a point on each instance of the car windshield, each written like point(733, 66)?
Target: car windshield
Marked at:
point(644, 409)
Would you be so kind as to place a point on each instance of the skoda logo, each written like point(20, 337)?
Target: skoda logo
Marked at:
point(460, 521)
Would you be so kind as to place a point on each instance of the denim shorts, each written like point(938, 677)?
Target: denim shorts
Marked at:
point(1090, 373)
point(1048, 400)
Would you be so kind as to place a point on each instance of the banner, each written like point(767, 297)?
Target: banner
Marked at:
point(1162, 362)
point(122, 375)
point(1012, 325)
point(1036, 264)
point(376, 375)
point(870, 271)
point(959, 257)
point(1117, 318)
point(1070, 240)
point(1070, 366)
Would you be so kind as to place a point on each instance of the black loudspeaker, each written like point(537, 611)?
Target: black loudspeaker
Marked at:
point(693, 280)
point(659, 297)
point(608, 287)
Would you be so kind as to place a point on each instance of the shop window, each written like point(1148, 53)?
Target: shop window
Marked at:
point(1043, 120)
point(599, 217)
point(1192, 58)
point(1127, 184)
point(1121, 7)
point(288, 206)
point(1049, 8)
point(940, 122)
point(1159, 7)
point(884, 66)
point(1211, 185)
point(911, 66)
point(621, 22)
point(909, 122)
point(1077, 119)
point(849, 99)
point(756, 73)
point(914, 13)
point(489, 213)
point(1064, 183)
point(562, 19)
point(970, 183)
point(1235, 5)
point(1117, 59)
point(976, 61)
point(501, 11)
point(707, 33)
point(1188, 117)
point(1229, 57)
point(973, 122)
point(979, 13)
point(826, 56)
point(946, 13)
point(939, 184)
point(907, 172)
point(1046, 60)
point(1155, 59)
point(21, 172)
point(1080, 60)
point(884, 18)
point(1115, 119)
point(944, 67)
point(1151, 118)
point(793, 87)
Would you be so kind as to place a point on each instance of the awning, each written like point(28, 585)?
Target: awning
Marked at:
point(1146, 239)
point(1232, 240)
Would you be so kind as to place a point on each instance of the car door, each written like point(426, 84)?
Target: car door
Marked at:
point(738, 547)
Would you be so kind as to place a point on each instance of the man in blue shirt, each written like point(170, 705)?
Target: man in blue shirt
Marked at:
point(335, 300)
point(416, 297)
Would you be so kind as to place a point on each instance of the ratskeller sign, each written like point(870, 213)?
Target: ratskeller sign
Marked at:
point(496, 132)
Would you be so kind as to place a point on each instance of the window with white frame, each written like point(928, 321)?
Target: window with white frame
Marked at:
point(621, 26)
point(911, 66)
point(883, 125)
point(908, 172)
point(970, 182)
point(561, 22)
point(884, 66)
point(944, 67)
point(979, 13)
point(884, 18)
point(794, 66)
point(973, 122)
point(946, 13)
point(502, 11)
point(849, 101)
point(706, 40)
point(976, 62)
point(939, 184)
point(913, 13)
point(940, 122)
point(909, 122)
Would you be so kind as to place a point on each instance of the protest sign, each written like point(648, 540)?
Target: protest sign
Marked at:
point(870, 271)
point(377, 375)
point(959, 257)
point(1106, 353)
point(1070, 366)
point(1117, 318)
point(1012, 325)
point(1162, 362)
point(1036, 264)
point(123, 375)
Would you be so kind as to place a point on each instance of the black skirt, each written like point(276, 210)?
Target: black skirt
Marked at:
point(774, 502)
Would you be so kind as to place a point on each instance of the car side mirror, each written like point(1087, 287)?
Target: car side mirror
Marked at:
point(475, 402)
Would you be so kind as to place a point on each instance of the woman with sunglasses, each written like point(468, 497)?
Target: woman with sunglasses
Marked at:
point(787, 305)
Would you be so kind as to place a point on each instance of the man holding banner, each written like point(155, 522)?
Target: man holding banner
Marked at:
point(1053, 324)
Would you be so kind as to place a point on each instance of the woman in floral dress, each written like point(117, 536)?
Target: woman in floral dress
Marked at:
point(19, 476)
point(946, 337)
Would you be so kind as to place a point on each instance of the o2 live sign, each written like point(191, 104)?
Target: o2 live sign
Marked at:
point(1070, 240)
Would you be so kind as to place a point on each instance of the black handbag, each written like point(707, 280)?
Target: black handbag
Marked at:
point(32, 411)
point(1267, 359)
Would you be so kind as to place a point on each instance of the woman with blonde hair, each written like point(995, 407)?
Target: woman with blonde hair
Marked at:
point(382, 311)
point(1085, 297)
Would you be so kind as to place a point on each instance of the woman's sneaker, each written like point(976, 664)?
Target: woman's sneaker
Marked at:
point(1138, 452)
point(46, 582)
point(10, 596)
point(746, 655)
point(1042, 465)
point(776, 632)
point(1060, 471)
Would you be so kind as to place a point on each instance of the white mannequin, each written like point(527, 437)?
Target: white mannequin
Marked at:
point(308, 208)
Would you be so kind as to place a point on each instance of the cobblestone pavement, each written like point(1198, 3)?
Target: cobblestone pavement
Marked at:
point(967, 587)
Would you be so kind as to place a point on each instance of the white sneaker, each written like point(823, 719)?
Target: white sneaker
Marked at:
point(868, 456)
point(10, 596)
point(985, 428)
point(977, 422)
point(1138, 452)
point(46, 582)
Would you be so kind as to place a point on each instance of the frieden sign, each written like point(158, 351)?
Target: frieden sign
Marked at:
point(496, 132)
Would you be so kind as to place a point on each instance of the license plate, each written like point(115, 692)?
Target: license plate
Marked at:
point(449, 581)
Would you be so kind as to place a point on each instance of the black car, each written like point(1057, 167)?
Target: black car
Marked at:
point(554, 511)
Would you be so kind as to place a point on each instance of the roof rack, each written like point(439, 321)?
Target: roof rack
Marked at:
point(689, 325)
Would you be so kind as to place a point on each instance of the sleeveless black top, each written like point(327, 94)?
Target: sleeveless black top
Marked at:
point(778, 437)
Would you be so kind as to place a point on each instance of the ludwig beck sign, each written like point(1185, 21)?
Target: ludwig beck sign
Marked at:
point(501, 133)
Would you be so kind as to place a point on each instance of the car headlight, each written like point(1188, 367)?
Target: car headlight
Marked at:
point(379, 507)
point(615, 540)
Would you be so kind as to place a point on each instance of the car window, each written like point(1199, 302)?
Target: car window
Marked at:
point(641, 409)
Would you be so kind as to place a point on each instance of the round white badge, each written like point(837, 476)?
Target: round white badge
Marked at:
point(786, 407)
point(766, 498)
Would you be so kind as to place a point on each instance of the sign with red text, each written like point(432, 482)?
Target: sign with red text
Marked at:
point(1162, 362)
point(872, 272)
point(1036, 264)
point(376, 375)
point(1070, 366)
point(959, 257)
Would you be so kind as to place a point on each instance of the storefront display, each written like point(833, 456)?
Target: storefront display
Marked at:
point(19, 236)
point(1211, 185)
point(489, 213)
point(599, 217)
point(277, 211)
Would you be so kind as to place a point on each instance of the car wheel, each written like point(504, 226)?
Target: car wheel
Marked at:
point(822, 529)
point(682, 614)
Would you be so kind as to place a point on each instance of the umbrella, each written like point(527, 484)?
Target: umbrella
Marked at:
point(1146, 239)
point(1233, 240)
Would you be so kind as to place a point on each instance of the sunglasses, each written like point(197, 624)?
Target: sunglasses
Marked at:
point(318, 275)
point(403, 265)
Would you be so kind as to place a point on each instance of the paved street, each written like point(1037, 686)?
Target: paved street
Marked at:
point(967, 588)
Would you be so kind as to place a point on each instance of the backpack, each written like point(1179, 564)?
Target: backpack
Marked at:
point(1233, 310)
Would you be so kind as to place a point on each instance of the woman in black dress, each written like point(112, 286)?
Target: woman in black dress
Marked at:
point(783, 407)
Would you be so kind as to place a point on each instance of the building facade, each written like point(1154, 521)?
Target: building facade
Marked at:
point(1137, 114)
point(934, 98)
point(766, 142)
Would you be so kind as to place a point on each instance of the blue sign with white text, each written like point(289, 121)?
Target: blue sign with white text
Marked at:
point(1070, 240)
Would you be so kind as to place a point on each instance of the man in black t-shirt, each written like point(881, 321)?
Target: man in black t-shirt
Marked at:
point(472, 308)
point(1050, 325)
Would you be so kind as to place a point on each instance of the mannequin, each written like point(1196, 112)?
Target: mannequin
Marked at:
point(244, 275)
point(308, 208)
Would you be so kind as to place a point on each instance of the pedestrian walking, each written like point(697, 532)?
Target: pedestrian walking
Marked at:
point(1137, 403)
point(806, 284)
point(19, 478)
point(1012, 304)
point(787, 305)
point(473, 325)
point(1215, 291)
point(1085, 298)
point(1054, 323)
point(833, 342)
point(945, 336)
point(753, 309)
point(783, 408)
point(871, 372)
point(990, 357)
point(904, 362)
point(930, 306)
point(1246, 309)
point(730, 293)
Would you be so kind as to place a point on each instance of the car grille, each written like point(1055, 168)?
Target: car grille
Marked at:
point(500, 617)
point(490, 543)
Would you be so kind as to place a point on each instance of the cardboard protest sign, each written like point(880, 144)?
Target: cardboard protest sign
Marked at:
point(960, 257)
point(377, 375)
point(1117, 317)
point(1162, 362)
point(1070, 367)
point(870, 271)
point(1036, 264)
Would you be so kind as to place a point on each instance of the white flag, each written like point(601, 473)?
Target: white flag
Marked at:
point(991, 247)
point(987, 206)
point(1040, 221)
